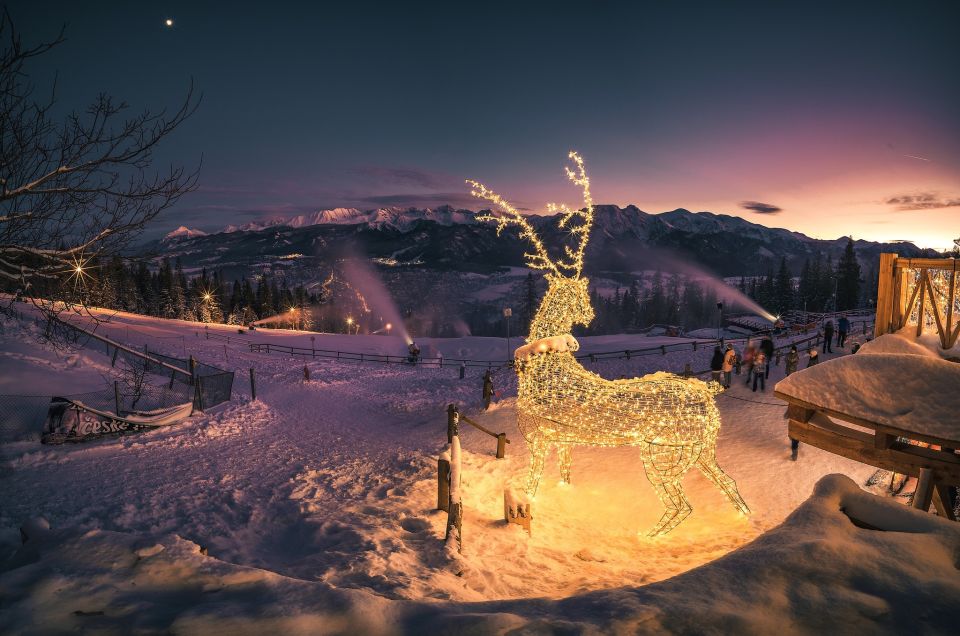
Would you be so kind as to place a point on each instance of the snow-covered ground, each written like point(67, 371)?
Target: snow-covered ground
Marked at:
point(314, 506)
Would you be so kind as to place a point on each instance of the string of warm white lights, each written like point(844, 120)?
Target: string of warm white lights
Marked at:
point(672, 420)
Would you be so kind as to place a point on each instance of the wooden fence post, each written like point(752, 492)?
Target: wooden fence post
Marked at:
point(452, 417)
point(113, 361)
point(193, 370)
point(443, 482)
point(501, 445)
point(198, 395)
point(253, 385)
point(454, 536)
point(116, 395)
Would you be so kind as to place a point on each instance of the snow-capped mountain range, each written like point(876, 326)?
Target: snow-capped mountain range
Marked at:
point(448, 239)
point(396, 218)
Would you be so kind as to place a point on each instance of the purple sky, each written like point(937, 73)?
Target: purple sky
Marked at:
point(829, 120)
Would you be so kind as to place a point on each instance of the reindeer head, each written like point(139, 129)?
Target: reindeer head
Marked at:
point(567, 301)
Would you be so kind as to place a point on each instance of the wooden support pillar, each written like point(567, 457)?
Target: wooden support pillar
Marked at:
point(942, 502)
point(924, 492)
point(885, 295)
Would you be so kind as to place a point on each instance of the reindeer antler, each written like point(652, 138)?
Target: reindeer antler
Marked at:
point(538, 260)
point(580, 178)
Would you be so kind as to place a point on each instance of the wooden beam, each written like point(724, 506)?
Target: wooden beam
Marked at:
point(924, 492)
point(951, 297)
point(935, 310)
point(859, 446)
point(923, 296)
point(941, 502)
point(905, 309)
point(874, 426)
point(926, 263)
point(883, 440)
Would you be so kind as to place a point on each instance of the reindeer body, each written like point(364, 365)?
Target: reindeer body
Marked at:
point(672, 420)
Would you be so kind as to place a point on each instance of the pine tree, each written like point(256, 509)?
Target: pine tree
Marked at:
point(783, 288)
point(848, 279)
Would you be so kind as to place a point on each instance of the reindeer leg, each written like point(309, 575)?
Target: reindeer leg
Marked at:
point(665, 467)
point(565, 459)
point(538, 455)
point(707, 463)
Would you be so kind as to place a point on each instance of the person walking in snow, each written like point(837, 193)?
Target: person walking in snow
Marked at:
point(729, 360)
point(843, 328)
point(766, 346)
point(749, 353)
point(792, 360)
point(814, 358)
point(760, 371)
point(828, 337)
point(716, 364)
point(487, 389)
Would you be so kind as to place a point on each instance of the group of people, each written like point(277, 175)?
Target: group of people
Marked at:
point(842, 329)
point(757, 359)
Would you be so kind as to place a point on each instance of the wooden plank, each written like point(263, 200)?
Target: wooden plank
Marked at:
point(923, 296)
point(926, 263)
point(859, 446)
point(799, 413)
point(924, 492)
point(875, 426)
point(941, 501)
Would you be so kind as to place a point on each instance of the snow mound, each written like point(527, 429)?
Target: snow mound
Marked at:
point(844, 557)
point(892, 382)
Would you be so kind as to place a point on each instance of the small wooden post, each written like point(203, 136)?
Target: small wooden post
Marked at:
point(198, 395)
point(193, 370)
point(501, 445)
point(116, 395)
point(113, 361)
point(253, 385)
point(306, 373)
point(443, 482)
point(924, 492)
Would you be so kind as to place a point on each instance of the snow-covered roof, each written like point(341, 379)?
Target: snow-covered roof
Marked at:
point(891, 381)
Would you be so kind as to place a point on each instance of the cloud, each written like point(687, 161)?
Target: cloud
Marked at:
point(404, 176)
point(760, 208)
point(922, 201)
point(427, 199)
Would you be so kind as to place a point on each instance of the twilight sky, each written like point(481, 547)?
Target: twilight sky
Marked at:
point(829, 119)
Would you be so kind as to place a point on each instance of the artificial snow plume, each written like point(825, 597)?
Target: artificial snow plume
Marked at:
point(365, 280)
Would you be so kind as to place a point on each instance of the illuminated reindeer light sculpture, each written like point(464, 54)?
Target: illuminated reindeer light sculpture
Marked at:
point(672, 420)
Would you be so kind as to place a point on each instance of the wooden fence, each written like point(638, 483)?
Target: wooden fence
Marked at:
point(920, 291)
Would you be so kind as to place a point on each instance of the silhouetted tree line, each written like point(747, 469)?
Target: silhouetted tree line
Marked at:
point(168, 292)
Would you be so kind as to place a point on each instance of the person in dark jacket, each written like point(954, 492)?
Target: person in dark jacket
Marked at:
point(766, 345)
point(843, 328)
point(716, 364)
point(487, 389)
point(760, 365)
point(792, 360)
point(814, 358)
point(828, 337)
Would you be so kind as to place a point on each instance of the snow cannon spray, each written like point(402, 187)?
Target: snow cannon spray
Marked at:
point(361, 275)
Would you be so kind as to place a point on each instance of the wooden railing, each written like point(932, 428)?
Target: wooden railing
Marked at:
point(921, 291)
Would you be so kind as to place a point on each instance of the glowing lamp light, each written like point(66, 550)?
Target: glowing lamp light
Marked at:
point(168, 22)
point(207, 296)
point(349, 320)
point(672, 420)
point(388, 326)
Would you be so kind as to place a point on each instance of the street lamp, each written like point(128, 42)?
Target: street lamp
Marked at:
point(388, 327)
point(349, 323)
